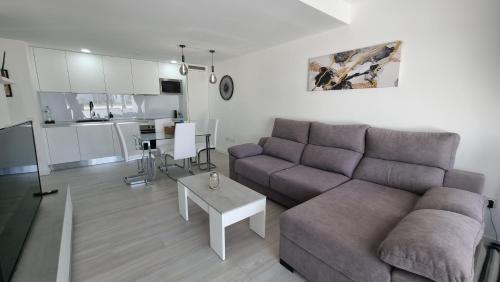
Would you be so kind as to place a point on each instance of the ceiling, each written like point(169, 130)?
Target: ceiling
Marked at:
point(152, 29)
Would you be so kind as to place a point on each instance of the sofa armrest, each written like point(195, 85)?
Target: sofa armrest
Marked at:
point(465, 180)
point(245, 150)
point(263, 141)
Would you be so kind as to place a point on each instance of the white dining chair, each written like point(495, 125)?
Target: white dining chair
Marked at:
point(131, 150)
point(163, 145)
point(184, 145)
point(212, 127)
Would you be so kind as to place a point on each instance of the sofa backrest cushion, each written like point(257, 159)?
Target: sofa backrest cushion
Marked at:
point(349, 137)
point(332, 159)
point(412, 161)
point(284, 149)
point(292, 130)
point(423, 148)
point(336, 148)
point(410, 177)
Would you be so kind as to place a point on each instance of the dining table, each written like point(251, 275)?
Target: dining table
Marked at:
point(147, 143)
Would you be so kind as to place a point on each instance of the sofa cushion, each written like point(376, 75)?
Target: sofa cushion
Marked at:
point(292, 130)
point(410, 177)
point(344, 226)
point(349, 137)
point(284, 149)
point(259, 168)
point(423, 148)
point(399, 275)
point(453, 200)
point(331, 159)
point(302, 183)
point(435, 244)
point(245, 150)
point(465, 180)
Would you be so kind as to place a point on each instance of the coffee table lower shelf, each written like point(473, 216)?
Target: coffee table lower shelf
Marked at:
point(256, 211)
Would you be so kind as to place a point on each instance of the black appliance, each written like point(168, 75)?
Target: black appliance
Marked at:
point(20, 193)
point(170, 86)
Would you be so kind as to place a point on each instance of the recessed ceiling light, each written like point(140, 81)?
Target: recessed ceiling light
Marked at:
point(85, 50)
point(173, 62)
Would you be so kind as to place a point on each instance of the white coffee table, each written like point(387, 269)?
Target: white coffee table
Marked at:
point(231, 203)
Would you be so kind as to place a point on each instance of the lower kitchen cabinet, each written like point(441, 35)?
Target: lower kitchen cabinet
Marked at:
point(63, 144)
point(96, 141)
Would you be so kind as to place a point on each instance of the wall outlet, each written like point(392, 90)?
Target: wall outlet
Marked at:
point(492, 204)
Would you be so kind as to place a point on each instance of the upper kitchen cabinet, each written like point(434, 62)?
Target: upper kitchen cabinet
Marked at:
point(145, 76)
point(118, 75)
point(171, 71)
point(86, 73)
point(51, 70)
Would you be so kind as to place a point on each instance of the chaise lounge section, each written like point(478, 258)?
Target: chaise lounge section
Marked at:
point(367, 204)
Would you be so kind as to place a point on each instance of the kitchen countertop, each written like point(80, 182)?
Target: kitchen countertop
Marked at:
point(111, 121)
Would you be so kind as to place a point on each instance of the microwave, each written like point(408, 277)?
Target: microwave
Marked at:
point(170, 86)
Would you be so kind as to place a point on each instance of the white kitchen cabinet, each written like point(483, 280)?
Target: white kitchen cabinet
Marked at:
point(96, 141)
point(86, 73)
point(116, 143)
point(63, 144)
point(171, 71)
point(146, 77)
point(118, 75)
point(51, 70)
point(197, 81)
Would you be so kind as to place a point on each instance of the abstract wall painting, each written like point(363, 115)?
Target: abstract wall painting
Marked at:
point(371, 67)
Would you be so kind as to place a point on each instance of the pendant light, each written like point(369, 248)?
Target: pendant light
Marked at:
point(184, 68)
point(213, 78)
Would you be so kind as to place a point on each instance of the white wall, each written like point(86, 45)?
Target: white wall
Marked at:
point(24, 103)
point(448, 79)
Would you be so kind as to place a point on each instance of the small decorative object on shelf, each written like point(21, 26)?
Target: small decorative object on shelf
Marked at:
point(213, 180)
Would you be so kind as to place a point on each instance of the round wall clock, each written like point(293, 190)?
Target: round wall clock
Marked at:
point(226, 87)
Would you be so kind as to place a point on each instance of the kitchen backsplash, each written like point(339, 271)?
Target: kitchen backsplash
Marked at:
point(72, 106)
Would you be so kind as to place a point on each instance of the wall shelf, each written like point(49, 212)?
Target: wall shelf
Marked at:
point(4, 80)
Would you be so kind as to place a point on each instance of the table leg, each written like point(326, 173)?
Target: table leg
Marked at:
point(217, 233)
point(183, 201)
point(207, 145)
point(258, 223)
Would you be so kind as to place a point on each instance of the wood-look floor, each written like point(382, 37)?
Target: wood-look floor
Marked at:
point(124, 233)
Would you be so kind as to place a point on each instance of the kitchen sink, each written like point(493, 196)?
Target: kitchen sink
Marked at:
point(93, 120)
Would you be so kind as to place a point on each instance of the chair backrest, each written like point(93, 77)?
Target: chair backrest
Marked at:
point(213, 125)
point(160, 125)
point(184, 141)
point(126, 132)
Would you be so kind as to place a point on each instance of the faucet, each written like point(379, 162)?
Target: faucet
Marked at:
point(92, 113)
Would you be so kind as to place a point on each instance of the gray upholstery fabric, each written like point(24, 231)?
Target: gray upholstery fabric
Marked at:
point(465, 180)
point(309, 266)
point(435, 244)
point(262, 141)
point(424, 148)
point(453, 200)
point(245, 150)
point(279, 198)
point(302, 183)
point(284, 149)
point(399, 275)
point(344, 226)
point(292, 130)
point(259, 168)
point(349, 137)
point(232, 173)
point(410, 177)
point(331, 159)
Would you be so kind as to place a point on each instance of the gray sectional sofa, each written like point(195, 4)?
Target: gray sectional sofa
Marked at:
point(367, 204)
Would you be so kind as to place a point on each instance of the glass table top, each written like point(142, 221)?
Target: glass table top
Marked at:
point(164, 136)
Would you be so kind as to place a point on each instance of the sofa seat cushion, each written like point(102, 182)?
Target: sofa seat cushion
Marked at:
point(454, 200)
point(344, 226)
point(302, 183)
point(259, 168)
point(435, 244)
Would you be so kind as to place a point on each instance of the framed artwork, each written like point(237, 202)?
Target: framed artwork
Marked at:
point(370, 67)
